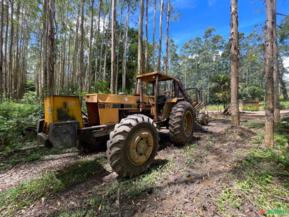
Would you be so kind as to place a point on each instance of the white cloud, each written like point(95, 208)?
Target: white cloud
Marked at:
point(286, 62)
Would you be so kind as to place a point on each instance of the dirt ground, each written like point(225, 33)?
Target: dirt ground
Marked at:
point(189, 188)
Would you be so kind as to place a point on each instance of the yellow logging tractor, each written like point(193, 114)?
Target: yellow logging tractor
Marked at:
point(126, 125)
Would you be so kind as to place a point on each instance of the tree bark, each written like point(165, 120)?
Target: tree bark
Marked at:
point(146, 68)
point(276, 72)
point(168, 37)
point(10, 77)
point(16, 69)
point(154, 34)
point(269, 69)
point(1, 50)
point(97, 61)
point(6, 81)
point(235, 115)
point(76, 50)
point(113, 56)
point(140, 65)
point(124, 61)
point(44, 46)
point(90, 55)
point(160, 36)
point(81, 71)
point(51, 45)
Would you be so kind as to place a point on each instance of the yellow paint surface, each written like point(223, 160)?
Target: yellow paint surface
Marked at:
point(59, 108)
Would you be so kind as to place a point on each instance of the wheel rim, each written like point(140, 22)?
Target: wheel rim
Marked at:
point(141, 147)
point(188, 123)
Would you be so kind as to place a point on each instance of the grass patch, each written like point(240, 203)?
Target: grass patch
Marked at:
point(253, 124)
point(228, 200)
point(189, 153)
point(284, 104)
point(10, 159)
point(215, 108)
point(29, 192)
point(261, 179)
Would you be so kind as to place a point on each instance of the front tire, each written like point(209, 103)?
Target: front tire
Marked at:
point(181, 123)
point(132, 146)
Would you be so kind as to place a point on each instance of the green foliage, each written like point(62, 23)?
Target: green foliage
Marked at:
point(284, 104)
point(101, 87)
point(30, 98)
point(220, 89)
point(252, 92)
point(14, 119)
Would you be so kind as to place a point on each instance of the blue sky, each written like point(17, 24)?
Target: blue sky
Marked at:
point(195, 16)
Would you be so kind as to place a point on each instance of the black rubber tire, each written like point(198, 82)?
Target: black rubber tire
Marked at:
point(118, 145)
point(176, 123)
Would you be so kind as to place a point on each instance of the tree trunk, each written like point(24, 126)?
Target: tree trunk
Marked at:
point(10, 77)
point(113, 56)
point(276, 75)
point(168, 37)
point(235, 115)
point(76, 50)
point(81, 72)
point(6, 81)
point(44, 46)
point(140, 69)
point(1, 50)
point(90, 55)
point(124, 61)
point(105, 39)
point(51, 45)
point(97, 61)
point(146, 68)
point(160, 36)
point(16, 70)
point(269, 69)
point(154, 34)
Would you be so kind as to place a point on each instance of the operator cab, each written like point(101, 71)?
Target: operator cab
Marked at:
point(164, 89)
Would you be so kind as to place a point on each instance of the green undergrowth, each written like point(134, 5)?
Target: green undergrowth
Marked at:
point(17, 124)
point(261, 178)
point(284, 104)
point(25, 194)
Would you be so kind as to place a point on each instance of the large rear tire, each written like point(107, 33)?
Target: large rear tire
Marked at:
point(181, 123)
point(132, 146)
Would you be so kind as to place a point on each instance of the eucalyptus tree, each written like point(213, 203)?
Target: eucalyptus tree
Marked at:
point(269, 70)
point(160, 36)
point(235, 115)
point(113, 48)
point(276, 75)
point(140, 60)
point(168, 19)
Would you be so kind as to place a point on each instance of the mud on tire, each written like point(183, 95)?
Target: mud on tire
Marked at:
point(181, 134)
point(131, 134)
